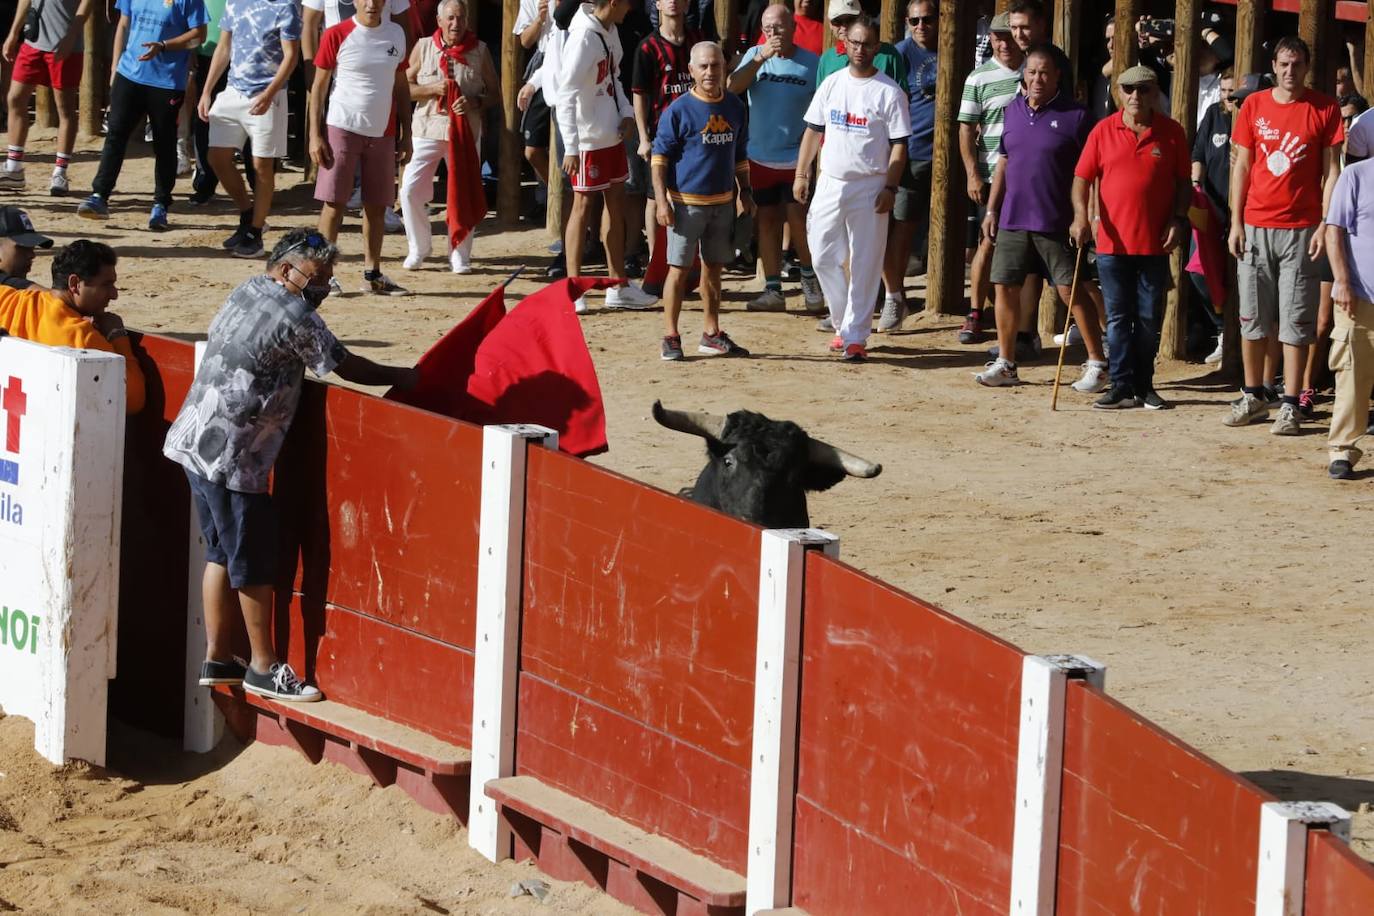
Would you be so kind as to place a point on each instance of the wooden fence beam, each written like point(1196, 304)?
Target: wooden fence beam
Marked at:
point(1367, 73)
point(511, 148)
point(892, 19)
point(1125, 53)
point(1064, 20)
point(949, 197)
point(95, 75)
point(1173, 338)
point(1317, 27)
point(556, 199)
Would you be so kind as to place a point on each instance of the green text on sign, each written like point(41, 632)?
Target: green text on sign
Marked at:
point(18, 630)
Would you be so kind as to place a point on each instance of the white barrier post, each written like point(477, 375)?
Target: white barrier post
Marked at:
point(496, 647)
point(1039, 775)
point(782, 579)
point(61, 483)
point(1281, 869)
point(201, 722)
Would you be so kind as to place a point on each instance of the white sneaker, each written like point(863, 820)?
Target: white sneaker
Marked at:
point(580, 306)
point(458, 263)
point(58, 186)
point(998, 373)
point(629, 297)
point(1215, 356)
point(812, 296)
point(770, 300)
point(1094, 378)
point(355, 200)
point(1075, 337)
point(413, 262)
point(12, 178)
point(393, 222)
point(183, 160)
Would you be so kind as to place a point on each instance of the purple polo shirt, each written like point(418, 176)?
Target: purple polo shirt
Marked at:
point(1042, 147)
point(1352, 208)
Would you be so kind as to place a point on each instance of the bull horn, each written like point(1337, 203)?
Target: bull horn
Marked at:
point(694, 423)
point(826, 455)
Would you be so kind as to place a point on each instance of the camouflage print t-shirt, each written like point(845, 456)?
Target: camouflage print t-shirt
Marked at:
point(244, 396)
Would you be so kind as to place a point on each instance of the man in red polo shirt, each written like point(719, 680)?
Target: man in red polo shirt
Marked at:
point(1287, 144)
point(1141, 162)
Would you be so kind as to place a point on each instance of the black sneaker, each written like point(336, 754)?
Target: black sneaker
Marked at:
point(558, 268)
point(1152, 401)
point(972, 331)
point(250, 247)
point(238, 238)
point(1340, 469)
point(231, 672)
point(280, 683)
point(1119, 397)
point(671, 350)
point(1273, 397)
point(720, 344)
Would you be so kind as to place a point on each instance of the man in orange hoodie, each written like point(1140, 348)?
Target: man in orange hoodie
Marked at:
point(72, 313)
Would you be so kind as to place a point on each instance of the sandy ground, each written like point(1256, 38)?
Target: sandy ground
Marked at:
point(1218, 574)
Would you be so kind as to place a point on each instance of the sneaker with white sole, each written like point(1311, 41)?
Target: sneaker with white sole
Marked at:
point(1093, 379)
point(59, 186)
point(379, 284)
point(812, 298)
point(770, 300)
point(629, 298)
point(1245, 410)
point(825, 324)
point(280, 683)
point(720, 344)
point(893, 314)
point(12, 179)
point(214, 673)
point(670, 350)
point(580, 305)
point(392, 221)
point(1287, 423)
point(1214, 357)
point(1075, 337)
point(999, 373)
point(336, 288)
point(1119, 397)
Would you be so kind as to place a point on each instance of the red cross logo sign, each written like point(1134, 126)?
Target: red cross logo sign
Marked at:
point(14, 402)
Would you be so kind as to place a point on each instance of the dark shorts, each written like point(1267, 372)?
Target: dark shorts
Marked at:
point(1019, 253)
point(772, 187)
point(913, 193)
point(639, 182)
point(240, 531)
point(974, 227)
point(534, 123)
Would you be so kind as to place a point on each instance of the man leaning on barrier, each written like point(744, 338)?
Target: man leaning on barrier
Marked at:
point(73, 313)
point(229, 432)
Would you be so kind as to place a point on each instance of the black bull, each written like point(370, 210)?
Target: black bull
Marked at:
point(760, 469)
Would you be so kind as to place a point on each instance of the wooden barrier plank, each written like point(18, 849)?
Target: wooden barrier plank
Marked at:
point(1339, 882)
point(379, 506)
point(638, 774)
point(1144, 817)
point(848, 870)
point(641, 602)
point(898, 694)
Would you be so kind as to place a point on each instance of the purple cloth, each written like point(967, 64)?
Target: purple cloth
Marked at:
point(1352, 208)
point(1042, 148)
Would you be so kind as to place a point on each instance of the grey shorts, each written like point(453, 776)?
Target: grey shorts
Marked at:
point(638, 183)
point(1018, 253)
point(1279, 286)
point(913, 194)
point(712, 227)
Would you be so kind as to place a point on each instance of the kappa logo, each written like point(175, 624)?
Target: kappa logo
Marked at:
point(717, 131)
point(14, 403)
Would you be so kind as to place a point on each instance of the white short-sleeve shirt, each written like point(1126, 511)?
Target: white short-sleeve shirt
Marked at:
point(529, 9)
point(862, 118)
point(365, 63)
point(336, 11)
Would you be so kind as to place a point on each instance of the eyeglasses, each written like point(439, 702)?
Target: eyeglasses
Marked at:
point(920, 20)
point(1133, 88)
point(773, 29)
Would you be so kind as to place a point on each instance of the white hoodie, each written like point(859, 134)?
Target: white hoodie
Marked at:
point(589, 99)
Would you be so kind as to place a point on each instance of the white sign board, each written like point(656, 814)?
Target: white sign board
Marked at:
point(61, 479)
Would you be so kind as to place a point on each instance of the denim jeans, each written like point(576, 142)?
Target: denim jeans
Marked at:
point(1133, 286)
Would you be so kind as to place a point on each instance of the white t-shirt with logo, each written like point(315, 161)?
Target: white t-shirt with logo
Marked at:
point(336, 11)
point(862, 118)
point(365, 62)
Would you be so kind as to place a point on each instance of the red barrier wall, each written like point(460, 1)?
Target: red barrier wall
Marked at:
point(1148, 824)
point(907, 760)
point(379, 506)
point(1339, 882)
point(637, 654)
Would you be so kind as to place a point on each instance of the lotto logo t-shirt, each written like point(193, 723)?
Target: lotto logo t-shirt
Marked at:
point(1287, 143)
point(861, 117)
point(364, 61)
point(778, 98)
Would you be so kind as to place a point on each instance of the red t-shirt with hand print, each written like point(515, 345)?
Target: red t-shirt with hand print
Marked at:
point(1286, 142)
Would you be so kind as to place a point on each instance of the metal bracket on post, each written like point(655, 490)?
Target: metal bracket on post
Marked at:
point(1039, 774)
point(1281, 870)
point(782, 574)
point(496, 646)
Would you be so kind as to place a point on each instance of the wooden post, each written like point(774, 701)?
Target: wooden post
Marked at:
point(1173, 338)
point(727, 25)
point(949, 195)
point(1316, 26)
point(511, 150)
point(1249, 37)
point(553, 208)
point(95, 74)
point(1367, 73)
point(1125, 53)
point(893, 20)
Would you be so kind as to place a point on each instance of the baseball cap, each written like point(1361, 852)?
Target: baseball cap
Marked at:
point(16, 226)
point(1135, 76)
point(1000, 23)
point(841, 8)
point(1249, 85)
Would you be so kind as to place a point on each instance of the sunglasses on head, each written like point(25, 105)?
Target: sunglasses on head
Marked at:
point(311, 240)
point(920, 20)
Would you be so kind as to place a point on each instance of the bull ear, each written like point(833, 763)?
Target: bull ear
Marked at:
point(719, 449)
point(821, 476)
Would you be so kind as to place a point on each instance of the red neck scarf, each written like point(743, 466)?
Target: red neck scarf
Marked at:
point(467, 204)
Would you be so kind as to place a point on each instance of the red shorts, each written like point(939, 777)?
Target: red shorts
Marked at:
point(601, 168)
point(33, 67)
point(771, 186)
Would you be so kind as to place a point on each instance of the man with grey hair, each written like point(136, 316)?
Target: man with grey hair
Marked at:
point(227, 436)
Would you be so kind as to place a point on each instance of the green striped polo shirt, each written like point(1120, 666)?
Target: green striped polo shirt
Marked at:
point(987, 91)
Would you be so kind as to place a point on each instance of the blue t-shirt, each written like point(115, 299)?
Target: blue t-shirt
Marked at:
point(704, 145)
point(258, 28)
point(158, 20)
point(920, 78)
point(777, 100)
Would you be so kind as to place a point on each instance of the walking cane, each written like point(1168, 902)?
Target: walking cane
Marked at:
point(1068, 319)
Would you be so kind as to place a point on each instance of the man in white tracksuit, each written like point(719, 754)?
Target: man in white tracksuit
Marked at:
point(865, 119)
point(594, 118)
